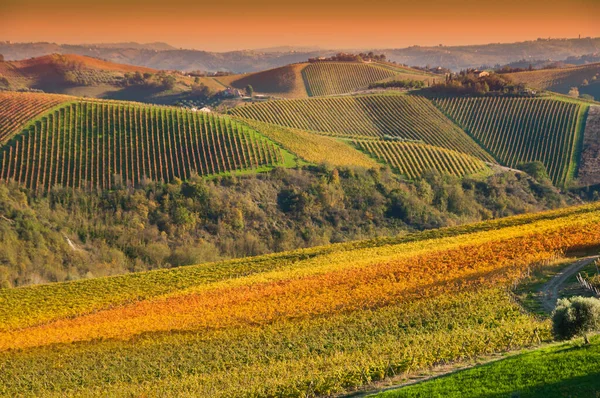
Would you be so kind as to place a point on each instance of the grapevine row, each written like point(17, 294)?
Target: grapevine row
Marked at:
point(403, 116)
point(95, 145)
point(517, 130)
point(413, 159)
point(329, 78)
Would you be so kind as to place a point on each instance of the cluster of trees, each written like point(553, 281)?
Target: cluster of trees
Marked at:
point(433, 69)
point(162, 80)
point(510, 69)
point(70, 234)
point(199, 73)
point(408, 84)
point(349, 57)
point(470, 83)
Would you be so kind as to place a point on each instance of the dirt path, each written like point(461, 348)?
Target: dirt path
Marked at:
point(551, 288)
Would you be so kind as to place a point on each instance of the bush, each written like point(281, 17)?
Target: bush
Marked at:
point(575, 317)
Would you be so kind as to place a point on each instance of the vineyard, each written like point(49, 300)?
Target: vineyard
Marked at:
point(16, 109)
point(310, 322)
point(95, 145)
point(403, 116)
point(413, 159)
point(518, 130)
point(327, 78)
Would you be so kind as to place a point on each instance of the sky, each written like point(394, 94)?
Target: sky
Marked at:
point(247, 24)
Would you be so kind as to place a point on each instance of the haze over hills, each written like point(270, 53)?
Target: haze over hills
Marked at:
point(160, 56)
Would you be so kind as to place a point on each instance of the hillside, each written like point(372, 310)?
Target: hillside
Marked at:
point(329, 78)
point(309, 322)
point(322, 78)
point(403, 116)
point(93, 144)
point(412, 159)
point(285, 81)
point(520, 130)
point(91, 77)
point(561, 80)
point(50, 72)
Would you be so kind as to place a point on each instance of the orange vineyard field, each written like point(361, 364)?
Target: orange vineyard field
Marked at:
point(303, 323)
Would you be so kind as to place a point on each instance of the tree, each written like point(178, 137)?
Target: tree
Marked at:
point(576, 316)
point(535, 169)
point(168, 82)
point(574, 92)
point(249, 90)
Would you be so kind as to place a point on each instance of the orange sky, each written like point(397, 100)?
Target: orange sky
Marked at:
point(236, 24)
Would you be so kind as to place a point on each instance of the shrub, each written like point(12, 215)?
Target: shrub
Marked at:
point(575, 317)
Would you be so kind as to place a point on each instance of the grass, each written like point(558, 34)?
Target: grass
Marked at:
point(564, 370)
point(313, 148)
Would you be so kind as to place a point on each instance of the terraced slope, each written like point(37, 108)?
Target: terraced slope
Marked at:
point(517, 130)
point(16, 109)
point(305, 323)
point(97, 144)
point(328, 78)
point(413, 159)
point(403, 116)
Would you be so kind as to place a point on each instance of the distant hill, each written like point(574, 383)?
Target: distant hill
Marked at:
point(85, 76)
point(456, 57)
point(55, 72)
point(462, 57)
point(585, 78)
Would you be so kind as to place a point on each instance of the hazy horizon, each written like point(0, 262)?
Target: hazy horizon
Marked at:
point(266, 23)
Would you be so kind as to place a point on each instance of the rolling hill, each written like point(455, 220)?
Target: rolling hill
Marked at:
point(310, 322)
point(96, 144)
point(50, 72)
point(322, 78)
point(402, 116)
point(561, 80)
point(520, 130)
point(91, 77)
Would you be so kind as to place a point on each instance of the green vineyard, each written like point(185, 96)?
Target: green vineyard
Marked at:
point(412, 159)
point(327, 78)
point(98, 144)
point(518, 130)
point(404, 116)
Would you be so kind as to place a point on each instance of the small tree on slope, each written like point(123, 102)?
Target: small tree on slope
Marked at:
point(576, 316)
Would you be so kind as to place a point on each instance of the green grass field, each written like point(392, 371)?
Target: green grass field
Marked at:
point(564, 370)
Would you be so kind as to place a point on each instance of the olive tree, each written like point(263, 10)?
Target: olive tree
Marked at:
point(576, 316)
